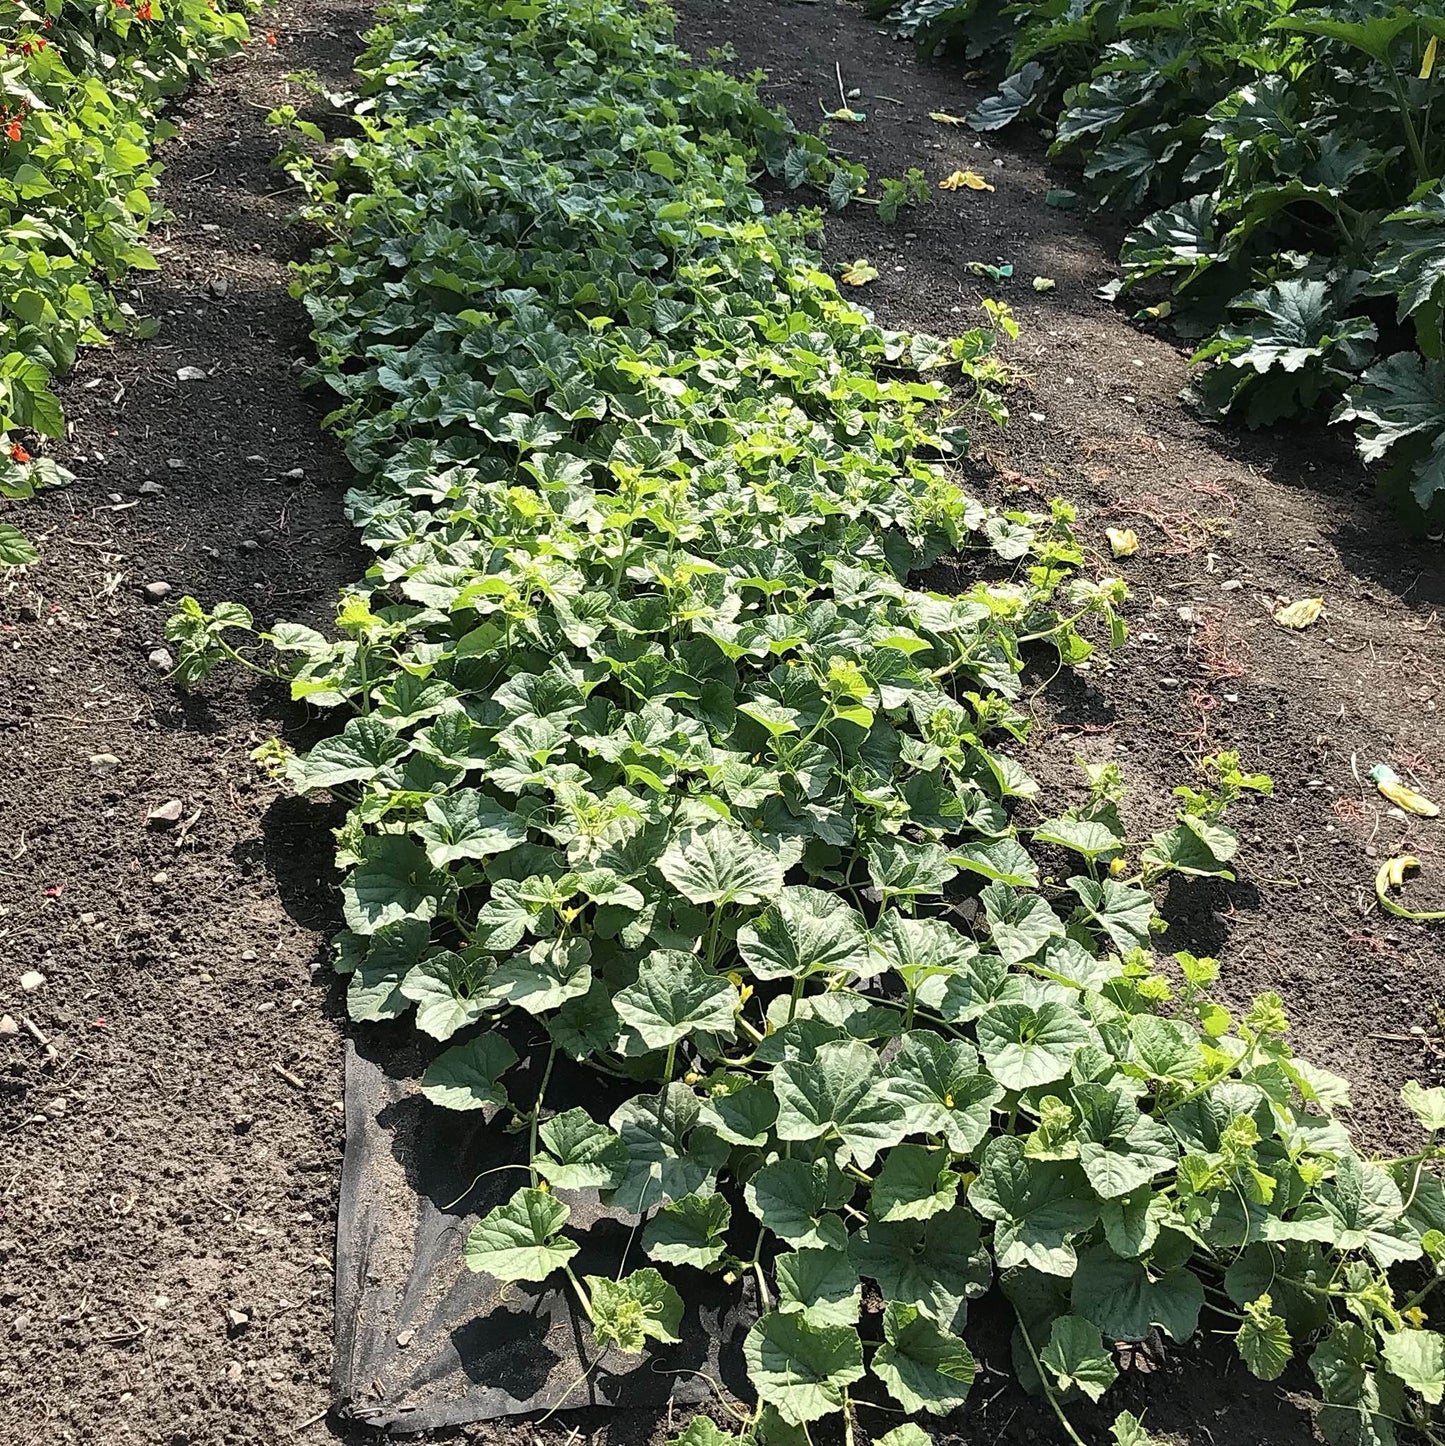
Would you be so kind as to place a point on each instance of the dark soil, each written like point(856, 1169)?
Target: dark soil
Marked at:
point(173, 1118)
point(169, 1166)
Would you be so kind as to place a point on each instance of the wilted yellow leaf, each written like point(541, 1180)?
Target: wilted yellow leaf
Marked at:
point(859, 273)
point(1123, 540)
point(1300, 614)
point(1044, 283)
point(958, 179)
point(1402, 795)
point(1161, 311)
point(846, 113)
point(944, 119)
point(1427, 65)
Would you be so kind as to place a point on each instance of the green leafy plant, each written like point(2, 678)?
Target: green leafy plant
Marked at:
point(659, 756)
point(81, 90)
point(898, 195)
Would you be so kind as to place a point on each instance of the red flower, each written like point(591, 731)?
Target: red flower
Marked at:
point(270, 37)
point(17, 452)
point(12, 131)
point(143, 12)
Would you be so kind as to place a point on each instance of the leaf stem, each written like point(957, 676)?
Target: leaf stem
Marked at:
point(714, 924)
point(1412, 137)
point(537, 1113)
point(756, 1266)
point(582, 1296)
point(1049, 1392)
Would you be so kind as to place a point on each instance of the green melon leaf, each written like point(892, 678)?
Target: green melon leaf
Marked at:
point(1263, 1340)
point(802, 932)
point(721, 865)
point(518, 1240)
point(821, 1285)
point(923, 1367)
point(1417, 1357)
point(675, 997)
point(942, 1090)
point(834, 1097)
point(1126, 1300)
point(1076, 1356)
point(580, 1153)
point(550, 973)
point(468, 1076)
point(690, 1231)
point(628, 1313)
point(934, 1265)
point(802, 1370)
point(793, 1199)
point(450, 993)
point(1024, 1047)
point(914, 1184)
point(1038, 1207)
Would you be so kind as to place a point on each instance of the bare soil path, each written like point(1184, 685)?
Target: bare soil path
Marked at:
point(169, 1158)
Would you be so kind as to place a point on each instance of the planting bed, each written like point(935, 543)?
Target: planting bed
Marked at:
point(173, 1099)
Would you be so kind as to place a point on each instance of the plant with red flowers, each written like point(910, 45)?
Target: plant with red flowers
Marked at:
point(80, 95)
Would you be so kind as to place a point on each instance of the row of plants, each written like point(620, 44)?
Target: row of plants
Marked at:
point(81, 89)
point(1292, 172)
point(658, 760)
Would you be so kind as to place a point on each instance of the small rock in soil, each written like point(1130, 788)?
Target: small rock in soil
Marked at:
point(57, 1107)
point(152, 489)
point(238, 1320)
point(8, 1025)
point(191, 374)
point(103, 762)
point(219, 286)
point(31, 980)
point(249, 544)
point(295, 474)
point(166, 813)
point(157, 590)
point(160, 660)
point(256, 460)
point(176, 464)
point(405, 1339)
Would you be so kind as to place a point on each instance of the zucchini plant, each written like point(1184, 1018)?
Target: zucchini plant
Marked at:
point(1289, 166)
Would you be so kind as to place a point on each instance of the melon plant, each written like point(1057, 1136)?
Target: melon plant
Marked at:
point(663, 759)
